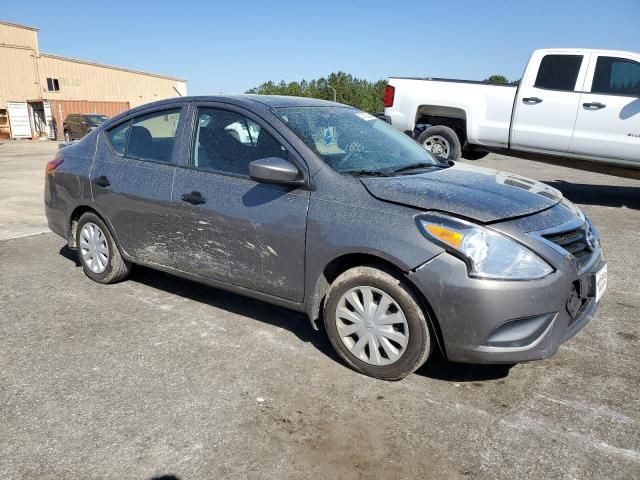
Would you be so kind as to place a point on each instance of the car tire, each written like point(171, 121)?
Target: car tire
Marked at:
point(441, 141)
point(97, 251)
point(404, 308)
point(474, 154)
point(67, 136)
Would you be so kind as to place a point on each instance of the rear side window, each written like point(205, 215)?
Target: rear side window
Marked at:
point(148, 137)
point(559, 72)
point(118, 137)
point(616, 76)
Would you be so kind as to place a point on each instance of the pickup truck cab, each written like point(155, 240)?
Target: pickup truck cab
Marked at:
point(576, 103)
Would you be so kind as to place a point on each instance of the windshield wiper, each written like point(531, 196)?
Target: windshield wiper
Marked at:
point(418, 166)
point(366, 173)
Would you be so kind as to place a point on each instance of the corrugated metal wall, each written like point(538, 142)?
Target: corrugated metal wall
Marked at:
point(61, 108)
point(80, 80)
point(18, 35)
point(24, 72)
point(18, 77)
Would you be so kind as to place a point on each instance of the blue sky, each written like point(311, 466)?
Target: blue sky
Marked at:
point(230, 46)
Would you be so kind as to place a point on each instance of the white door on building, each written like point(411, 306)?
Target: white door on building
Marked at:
point(49, 120)
point(19, 119)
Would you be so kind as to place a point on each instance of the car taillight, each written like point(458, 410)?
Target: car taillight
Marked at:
point(53, 164)
point(389, 94)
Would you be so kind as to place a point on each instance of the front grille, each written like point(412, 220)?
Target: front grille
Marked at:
point(579, 242)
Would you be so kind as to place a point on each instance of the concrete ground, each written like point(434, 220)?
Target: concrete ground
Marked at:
point(159, 376)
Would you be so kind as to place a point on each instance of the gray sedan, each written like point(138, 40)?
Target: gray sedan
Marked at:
point(325, 209)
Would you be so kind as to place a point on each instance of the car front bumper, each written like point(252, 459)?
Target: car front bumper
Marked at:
point(489, 321)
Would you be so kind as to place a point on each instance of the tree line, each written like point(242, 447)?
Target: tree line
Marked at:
point(349, 90)
point(343, 88)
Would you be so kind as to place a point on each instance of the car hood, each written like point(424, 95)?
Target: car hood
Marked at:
point(473, 192)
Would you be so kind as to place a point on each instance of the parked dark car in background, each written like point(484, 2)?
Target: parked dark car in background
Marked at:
point(78, 125)
point(325, 209)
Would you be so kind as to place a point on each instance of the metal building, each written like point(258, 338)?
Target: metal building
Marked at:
point(38, 90)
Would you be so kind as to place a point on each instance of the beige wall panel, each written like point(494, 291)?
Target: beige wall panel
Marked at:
point(18, 78)
point(84, 81)
point(18, 35)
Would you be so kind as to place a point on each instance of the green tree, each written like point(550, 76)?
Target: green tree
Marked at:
point(497, 79)
point(350, 90)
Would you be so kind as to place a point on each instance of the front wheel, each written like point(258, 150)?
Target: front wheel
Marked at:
point(375, 323)
point(442, 141)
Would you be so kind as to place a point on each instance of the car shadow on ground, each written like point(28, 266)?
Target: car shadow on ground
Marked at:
point(297, 323)
point(603, 195)
point(69, 254)
point(437, 368)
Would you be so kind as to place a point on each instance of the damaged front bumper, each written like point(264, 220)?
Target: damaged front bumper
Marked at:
point(490, 321)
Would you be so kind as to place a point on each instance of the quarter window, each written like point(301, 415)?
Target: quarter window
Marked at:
point(227, 142)
point(118, 137)
point(616, 76)
point(559, 72)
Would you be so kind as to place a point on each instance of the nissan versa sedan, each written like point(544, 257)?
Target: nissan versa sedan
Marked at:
point(325, 209)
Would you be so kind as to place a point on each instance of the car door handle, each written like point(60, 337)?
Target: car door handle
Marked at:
point(593, 105)
point(195, 198)
point(531, 100)
point(102, 181)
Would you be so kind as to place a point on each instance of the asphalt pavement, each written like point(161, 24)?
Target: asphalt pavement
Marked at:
point(159, 376)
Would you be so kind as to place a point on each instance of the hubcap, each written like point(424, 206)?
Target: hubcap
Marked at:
point(372, 325)
point(94, 248)
point(438, 146)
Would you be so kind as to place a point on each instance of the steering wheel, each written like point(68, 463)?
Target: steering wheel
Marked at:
point(347, 157)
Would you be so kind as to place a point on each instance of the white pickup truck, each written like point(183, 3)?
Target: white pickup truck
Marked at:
point(573, 103)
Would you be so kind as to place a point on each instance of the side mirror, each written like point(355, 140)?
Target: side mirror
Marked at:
point(275, 170)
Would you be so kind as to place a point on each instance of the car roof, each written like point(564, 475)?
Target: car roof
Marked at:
point(246, 100)
point(249, 100)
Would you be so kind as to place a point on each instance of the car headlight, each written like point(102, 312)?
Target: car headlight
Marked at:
point(487, 253)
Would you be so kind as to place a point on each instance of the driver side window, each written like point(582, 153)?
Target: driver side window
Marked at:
point(227, 142)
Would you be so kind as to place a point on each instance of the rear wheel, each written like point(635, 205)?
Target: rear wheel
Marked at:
point(375, 323)
point(67, 136)
point(98, 252)
point(441, 141)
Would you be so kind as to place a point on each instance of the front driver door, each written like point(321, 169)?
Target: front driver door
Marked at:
point(608, 123)
point(231, 228)
point(545, 109)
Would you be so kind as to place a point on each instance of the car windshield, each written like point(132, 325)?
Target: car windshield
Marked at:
point(354, 142)
point(96, 119)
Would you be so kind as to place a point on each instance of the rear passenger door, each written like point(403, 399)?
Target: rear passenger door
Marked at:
point(608, 123)
point(131, 181)
point(229, 227)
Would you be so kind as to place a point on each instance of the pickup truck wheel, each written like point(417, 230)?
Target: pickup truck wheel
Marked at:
point(441, 141)
point(474, 154)
point(375, 323)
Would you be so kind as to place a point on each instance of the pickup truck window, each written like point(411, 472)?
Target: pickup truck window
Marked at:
point(616, 76)
point(559, 72)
